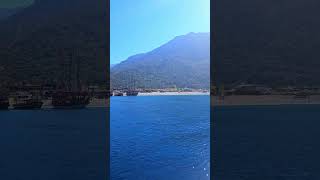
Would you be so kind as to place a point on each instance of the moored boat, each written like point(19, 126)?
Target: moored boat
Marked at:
point(132, 93)
point(4, 102)
point(71, 95)
point(117, 93)
point(70, 99)
point(25, 100)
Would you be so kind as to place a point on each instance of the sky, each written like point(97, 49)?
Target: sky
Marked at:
point(139, 26)
point(14, 3)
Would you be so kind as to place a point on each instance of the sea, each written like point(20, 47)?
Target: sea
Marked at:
point(280, 142)
point(160, 138)
point(165, 137)
point(53, 144)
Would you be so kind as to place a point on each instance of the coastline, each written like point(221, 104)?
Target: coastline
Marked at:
point(262, 100)
point(175, 94)
point(216, 101)
point(238, 100)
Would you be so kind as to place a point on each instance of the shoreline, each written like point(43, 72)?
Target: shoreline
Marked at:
point(175, 94)
point(238, 100)
point(235, 100)
point(264, 100)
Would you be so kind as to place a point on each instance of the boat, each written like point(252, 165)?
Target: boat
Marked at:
point(117, 93)
point(301, 95)
point(132, 93)
point(70, 99)
point(4, 102)
point(25, 100)
point(131, 89)
point(71, 96)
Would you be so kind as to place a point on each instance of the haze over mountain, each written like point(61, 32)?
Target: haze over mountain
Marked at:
point(182, 62)
point(38, 40)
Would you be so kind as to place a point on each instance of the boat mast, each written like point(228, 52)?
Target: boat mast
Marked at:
point(78, 83)
point(69, 69)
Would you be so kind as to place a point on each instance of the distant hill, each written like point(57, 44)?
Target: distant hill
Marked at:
point(38, 40)
point(182, 62)
point(112, 65)
point(275, 43)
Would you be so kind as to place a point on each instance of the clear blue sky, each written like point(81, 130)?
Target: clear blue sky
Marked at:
point(138, 26)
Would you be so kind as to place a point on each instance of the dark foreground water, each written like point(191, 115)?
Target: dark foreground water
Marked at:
point(160, 138)
point(53, 145)
point(267, 143)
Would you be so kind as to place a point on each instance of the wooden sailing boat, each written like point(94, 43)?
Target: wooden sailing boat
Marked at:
point(71, 96)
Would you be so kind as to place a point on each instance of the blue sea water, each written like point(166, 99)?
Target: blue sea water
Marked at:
point(160, 138)
point(53, 144)
point(278, 142)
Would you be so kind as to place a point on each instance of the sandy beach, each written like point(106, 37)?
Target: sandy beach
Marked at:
point(175, 94)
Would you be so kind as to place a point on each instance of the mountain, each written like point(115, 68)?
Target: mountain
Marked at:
point(275, 43)
point(182, 62)
point(39, 40)
point(112, 65)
